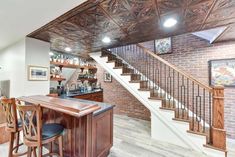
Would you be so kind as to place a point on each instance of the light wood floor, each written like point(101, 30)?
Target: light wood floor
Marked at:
point(132, 139)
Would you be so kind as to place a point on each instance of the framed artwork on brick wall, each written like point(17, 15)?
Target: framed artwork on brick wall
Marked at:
point(222, 72)
point(107, 77)
point(163, 46)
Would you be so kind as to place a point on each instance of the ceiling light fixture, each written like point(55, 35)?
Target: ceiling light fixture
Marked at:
point(68, 49)
point(106, 40)
point(170, 22)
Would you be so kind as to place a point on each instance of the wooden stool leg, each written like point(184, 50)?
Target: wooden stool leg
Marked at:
point(61, 146)
point(29, 152)
point(40, 151)
point(50, 148)
point(34, 152)
point(11, 145)
point(17, 141)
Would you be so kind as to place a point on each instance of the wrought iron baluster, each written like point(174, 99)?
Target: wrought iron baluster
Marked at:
point(210, 114)
point(193, 105)
point(204, 111)
point(198, 108)
point(188, 98)
point(178, 87)
point(154, 77)
point(173, 94)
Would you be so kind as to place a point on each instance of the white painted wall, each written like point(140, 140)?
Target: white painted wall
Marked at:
point(37, 54)
point(12, 61)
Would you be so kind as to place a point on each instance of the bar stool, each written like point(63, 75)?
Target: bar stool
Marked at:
point(35, 134)
point(14, 126)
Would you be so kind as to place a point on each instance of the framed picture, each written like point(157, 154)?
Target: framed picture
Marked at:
point(222, 72)
point(37, 73)
point(107, 77)
point(163, 46)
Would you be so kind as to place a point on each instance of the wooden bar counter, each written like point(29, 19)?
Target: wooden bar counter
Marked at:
point(88, 124)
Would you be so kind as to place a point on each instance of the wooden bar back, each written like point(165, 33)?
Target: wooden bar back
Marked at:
point(9, 106)
point(32, 123)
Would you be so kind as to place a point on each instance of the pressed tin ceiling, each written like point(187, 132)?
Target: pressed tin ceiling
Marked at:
point(133, 21)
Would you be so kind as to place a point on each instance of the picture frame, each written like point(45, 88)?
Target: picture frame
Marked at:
point(107, 77)
point(222, 72)
point(38, 73)
point(163, 46)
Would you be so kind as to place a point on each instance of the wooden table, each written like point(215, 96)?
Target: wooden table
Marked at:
point(76, 118)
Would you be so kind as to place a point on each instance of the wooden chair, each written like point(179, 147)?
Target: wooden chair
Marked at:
point(13, 126)
point(35, 134)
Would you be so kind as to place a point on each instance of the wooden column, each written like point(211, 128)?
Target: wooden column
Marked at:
point(218, 134)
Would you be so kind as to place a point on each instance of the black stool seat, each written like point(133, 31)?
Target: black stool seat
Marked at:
point(19, 123)
point(51, 130)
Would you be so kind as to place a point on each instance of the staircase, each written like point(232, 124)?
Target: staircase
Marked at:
point(184, 111)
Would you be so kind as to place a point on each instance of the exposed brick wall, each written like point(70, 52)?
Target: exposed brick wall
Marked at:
point(126, 103)
point(192, 54)
point(114, 93)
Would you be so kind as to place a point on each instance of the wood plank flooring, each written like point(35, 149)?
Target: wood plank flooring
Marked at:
point(132, 139)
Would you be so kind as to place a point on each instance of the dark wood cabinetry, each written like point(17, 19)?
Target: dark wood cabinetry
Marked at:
point(102, 133)
point(96, 96)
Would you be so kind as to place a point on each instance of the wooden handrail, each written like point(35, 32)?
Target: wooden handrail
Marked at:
point(175, 68)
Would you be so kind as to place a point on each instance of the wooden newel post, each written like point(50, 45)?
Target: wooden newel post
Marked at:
point(218, 134)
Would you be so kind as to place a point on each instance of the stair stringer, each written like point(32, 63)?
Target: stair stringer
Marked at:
point(163, 128)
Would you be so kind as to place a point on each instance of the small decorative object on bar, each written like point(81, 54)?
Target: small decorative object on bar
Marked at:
point(37, 73)
point(222, 72)
point(163, 46)
point(107, 77)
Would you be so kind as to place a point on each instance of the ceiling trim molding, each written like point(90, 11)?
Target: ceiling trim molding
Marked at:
point(69, 14)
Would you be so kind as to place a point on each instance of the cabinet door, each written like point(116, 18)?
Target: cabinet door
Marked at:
point(102, 134)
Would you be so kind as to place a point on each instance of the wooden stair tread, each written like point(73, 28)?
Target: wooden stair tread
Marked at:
point(118, 67)
point(124, 74)
point(182, 120)
point(104, 56)
point(135, 81)
point(197, 133)
point(156, 98)
point(144, 89)
point(212, 147)
point(111, 61)
point(166, 108)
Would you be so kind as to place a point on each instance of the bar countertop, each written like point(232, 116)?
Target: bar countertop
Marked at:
point(68, 105)
point(71, 107)
point(76, 93)
point(103, 106)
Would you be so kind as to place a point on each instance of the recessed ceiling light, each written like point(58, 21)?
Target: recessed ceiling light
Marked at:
point(106, 40)
point(170, 22)
point(51, 53)
point(68, 49)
